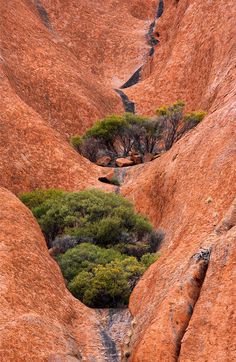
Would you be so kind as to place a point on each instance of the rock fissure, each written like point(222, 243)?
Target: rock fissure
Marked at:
point(198, 268)
point(115, 324)
point(129, 106)
point(135, 78)
point(43, 14)
point(180, 308)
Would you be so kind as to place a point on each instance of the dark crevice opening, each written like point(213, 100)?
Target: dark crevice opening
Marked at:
point(152, 40)
point(134, 79)
point(160, 9)
point(129, 106)
point(43, 14)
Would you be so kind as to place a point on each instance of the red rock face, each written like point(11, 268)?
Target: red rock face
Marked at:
point(187, 192)
point(40, 320)
point(57, 72)
point(194, 60)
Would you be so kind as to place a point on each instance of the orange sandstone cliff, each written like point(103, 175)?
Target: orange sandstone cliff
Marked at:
point(59, 63)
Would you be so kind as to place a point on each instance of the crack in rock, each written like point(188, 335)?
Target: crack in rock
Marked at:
point(129, 106)
point(115, 324)
point(43, 14)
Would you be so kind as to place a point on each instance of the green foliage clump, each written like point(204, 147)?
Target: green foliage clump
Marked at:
point(105, 218)
point(148, 259)
point(119, 136)
point(116, 136)
point(85, 256)
point(175, 124)
point(102, 245)
point(107, 285)
point(171, 110)
point(102, 277)
point(194, 117)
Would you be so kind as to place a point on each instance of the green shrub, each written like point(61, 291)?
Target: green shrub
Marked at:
point(102, 217)
point(194, 117)
point(175, 124)
point(149, 258)
point(118, 136)
point(83, 257)
point(76, 142)
point(107, 285)
point(74, 222)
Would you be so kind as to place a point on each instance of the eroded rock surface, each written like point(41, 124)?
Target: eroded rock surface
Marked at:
point(194, 59)
point(187, 192)
point(59, 61)
point(40, 320)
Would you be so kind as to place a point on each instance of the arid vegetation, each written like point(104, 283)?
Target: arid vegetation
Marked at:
point(135, 137)
point(100, 243)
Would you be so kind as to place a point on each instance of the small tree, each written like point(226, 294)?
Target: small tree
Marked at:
point(117, 136)
point(175, 124)
point(170, 116)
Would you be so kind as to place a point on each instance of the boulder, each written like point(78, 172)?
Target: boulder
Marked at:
point(136, 158)
point(103, 161)
point(124, 162)
point(110, 178)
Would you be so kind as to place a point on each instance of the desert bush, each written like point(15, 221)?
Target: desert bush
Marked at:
point(118, 136)
point(99, 241)
point(84, 257)
point(134, 247)
point(62, 243)
point(175, 124)
point(76, 142)
point(149, 258)
point(170, 116)
point(107, 285)
point(93, 214)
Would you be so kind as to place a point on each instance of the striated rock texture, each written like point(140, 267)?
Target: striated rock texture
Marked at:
point(32, 154)
point(187, 192)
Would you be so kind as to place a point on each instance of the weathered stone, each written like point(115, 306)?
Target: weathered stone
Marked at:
point(136, 158)
point(103, 161)
point(54, 85)
point(124, 162)
point(39, 317)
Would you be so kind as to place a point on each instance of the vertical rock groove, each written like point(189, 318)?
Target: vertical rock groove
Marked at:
point(191, 288)
point(129, 106)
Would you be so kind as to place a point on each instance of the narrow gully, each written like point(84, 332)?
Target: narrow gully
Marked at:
point(192, 288)
point(152, 40)
point(115, 324)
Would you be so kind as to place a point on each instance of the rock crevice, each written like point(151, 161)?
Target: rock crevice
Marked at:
point(152, 40)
